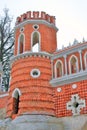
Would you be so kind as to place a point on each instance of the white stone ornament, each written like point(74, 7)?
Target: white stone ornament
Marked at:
point(75, 104)
point(74, 86)
point(59, 89)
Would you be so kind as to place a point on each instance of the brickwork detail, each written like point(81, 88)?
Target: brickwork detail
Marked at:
point(64, 96)
point(37, 94)
point(47, 78)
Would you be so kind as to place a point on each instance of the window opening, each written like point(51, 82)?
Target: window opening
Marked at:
point(16, 103)
point(59, 69)
point(21, 44)
point(35, 42)
point(73, 65)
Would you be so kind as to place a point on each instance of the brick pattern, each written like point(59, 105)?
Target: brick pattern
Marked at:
point(61, 98)
point(37, 94)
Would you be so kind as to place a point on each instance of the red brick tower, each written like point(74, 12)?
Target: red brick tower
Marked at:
point(48, 87)
point(31, 97)
point(30, 90)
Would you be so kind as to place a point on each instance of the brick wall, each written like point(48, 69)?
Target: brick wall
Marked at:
point(36, 93)
point(61, 98)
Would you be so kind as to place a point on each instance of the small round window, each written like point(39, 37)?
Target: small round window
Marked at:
point(22, 29)
point(36, 26)
point(35, 73)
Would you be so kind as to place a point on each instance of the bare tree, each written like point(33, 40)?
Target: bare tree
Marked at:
point(6, 45)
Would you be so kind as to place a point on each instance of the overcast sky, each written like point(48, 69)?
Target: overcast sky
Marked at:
point(71, 16)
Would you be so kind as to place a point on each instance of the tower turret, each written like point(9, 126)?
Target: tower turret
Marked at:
point(35, 41)
point(35, 29)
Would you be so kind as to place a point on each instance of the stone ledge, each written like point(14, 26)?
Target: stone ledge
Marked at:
point(30, 54)
point(82, 75)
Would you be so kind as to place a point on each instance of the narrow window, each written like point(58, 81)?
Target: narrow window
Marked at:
point(16, 104)
point(21, 44)
point(16, 95)
point(74, 66)
point(59, 69)
point(35, 42)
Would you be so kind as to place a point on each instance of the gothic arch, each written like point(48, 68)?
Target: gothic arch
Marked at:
point(73, 64)
point(58, 69)
point(16, 95)
point(35, 41)
point(21, 43)
point(85, 60)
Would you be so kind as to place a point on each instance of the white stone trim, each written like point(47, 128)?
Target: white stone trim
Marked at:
point(4, 95)
point(67, 51)
point(55, 67)
point(85, 60)
point(67, 79)
point(37, 22)
point(39, 49)
point(29, 54)
point(15, 91)
point(77, 69)
point(18, 52)
point(71, 105)
point(35, 70)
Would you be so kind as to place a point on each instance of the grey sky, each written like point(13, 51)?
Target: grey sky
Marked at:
point(71, 15)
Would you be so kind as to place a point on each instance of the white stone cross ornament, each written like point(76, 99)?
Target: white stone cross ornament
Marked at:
point(75, 104)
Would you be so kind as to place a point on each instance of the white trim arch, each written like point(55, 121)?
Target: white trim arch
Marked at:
point(19, 38)
point(16, 92)
point(85, 60)
point(38, 43)
point(77, 67)
point(62, 71)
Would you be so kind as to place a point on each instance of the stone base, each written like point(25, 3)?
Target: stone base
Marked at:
point(75, 122)
point(42, 122)
point(35, 122)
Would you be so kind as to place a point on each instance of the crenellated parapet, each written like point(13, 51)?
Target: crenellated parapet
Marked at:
point(36, 15)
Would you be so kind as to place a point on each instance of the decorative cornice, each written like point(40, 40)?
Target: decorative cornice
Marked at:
point(30, 54)
point(36, 22)
point(67, 79)
point(70, 50)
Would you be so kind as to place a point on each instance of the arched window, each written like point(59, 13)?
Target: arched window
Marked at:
point(73, 64)
point(58, 69)
point(16, 94)
point(35, 41)
point(85, 60)
point(21, 44)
